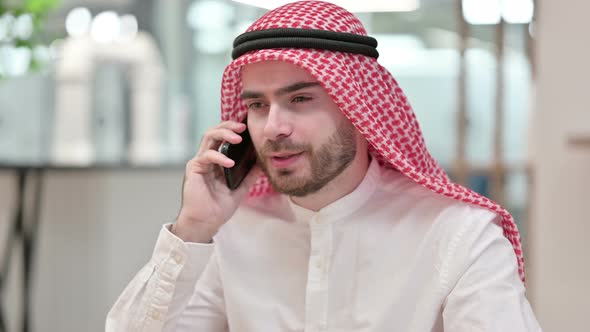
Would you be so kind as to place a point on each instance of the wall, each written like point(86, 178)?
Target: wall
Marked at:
point(97, 229)
point(559, 230)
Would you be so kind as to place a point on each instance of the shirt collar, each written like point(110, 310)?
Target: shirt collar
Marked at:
point(347, 204)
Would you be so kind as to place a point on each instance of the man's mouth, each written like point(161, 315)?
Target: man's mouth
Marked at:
point(285, 159)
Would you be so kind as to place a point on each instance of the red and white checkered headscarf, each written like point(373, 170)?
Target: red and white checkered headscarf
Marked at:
point(366, 93)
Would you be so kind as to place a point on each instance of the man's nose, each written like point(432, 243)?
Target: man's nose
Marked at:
point(278, 123)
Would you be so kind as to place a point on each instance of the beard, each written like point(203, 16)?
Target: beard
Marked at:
point(326, 162)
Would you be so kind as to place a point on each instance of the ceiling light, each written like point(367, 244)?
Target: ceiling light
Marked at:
point(356, 6)
point(78, 22)
point(482, 11)
point(208, 15)
point(518, 11)
point(105, 27)
point(129, 27)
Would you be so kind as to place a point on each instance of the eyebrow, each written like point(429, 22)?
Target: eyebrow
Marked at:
point(280, 92)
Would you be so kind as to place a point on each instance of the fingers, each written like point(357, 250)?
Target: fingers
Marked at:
point(238, 127)
point(214, 137)
point(208, 154)
point(225, 131)
point(203, 162)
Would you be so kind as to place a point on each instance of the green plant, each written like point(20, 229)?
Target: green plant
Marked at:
point(38, 11)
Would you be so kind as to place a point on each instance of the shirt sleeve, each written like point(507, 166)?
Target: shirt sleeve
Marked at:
point(487, 294)
point(177, 290)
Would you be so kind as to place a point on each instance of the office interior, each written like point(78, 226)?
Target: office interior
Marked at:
point(102, 102)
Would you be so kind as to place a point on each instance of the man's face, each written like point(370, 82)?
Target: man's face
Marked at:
point(303, 140)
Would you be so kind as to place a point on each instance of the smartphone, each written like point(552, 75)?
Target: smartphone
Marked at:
point(244, 156)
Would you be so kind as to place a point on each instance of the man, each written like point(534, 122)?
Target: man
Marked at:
point(347, 224)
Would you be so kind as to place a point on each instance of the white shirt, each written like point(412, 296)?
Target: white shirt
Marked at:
point(390, 256)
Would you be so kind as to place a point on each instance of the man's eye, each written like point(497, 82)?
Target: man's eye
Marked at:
point(255, 106)
point(300, 99)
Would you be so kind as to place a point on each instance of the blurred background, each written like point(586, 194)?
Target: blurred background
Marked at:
point(103, 101)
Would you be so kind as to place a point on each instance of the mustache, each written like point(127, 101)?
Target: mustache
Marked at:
point(284, 144)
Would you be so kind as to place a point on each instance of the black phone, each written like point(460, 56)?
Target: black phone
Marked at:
point(244, 156)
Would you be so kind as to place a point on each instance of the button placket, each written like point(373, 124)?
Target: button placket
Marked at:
point(318, 253)
point(317, 283)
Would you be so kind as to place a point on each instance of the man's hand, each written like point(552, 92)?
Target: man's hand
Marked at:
point(207, 202)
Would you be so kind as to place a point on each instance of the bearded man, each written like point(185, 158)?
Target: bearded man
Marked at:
point(346, 224)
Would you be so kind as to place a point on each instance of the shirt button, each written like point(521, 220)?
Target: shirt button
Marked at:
point(319, 265)
point(155, 315)
point(177, 258)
